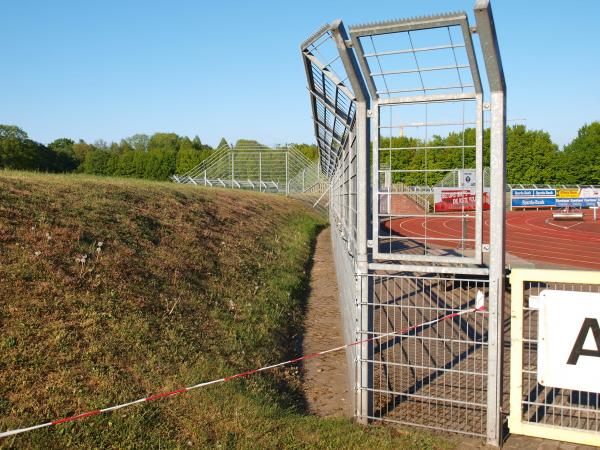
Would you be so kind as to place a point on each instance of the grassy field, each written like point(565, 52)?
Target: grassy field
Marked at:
point(111, 290)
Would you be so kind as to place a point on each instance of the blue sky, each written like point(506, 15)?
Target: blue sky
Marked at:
point(109, 69)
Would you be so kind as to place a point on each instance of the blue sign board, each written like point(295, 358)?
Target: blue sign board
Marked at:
point(576, 202)
point(533, 192)
point(539, 202)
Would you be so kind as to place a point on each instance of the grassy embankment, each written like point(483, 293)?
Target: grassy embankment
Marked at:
point(111, 290)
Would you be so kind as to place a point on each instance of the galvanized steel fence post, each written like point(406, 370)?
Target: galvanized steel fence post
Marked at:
point(363, 288)
point(493, 63)
point(287, 177)
point(260, 170)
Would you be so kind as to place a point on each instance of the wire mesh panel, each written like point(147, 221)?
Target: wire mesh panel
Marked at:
point(343, 197)
point(428, 119)
point(434, 376)
point(334, 113)
point(332, 101)
point(255, 166)
point(539, 410)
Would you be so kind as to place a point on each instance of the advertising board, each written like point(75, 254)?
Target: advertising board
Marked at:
point(533, 193)
point(532, 198)
point(567, 193)
point(569, 340)
point(589, 192)
point(458, 199)
point(533, 202)
point(576, 202)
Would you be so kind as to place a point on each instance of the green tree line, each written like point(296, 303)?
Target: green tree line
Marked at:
point(532, 157)
point(155, 157)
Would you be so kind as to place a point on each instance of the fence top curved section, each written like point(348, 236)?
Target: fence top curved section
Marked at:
point(333, 103)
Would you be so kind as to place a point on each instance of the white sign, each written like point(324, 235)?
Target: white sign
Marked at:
point(589, 192)
point(467, 178)
point(569, 340)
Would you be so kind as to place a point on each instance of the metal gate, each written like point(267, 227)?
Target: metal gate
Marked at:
point(388, 99)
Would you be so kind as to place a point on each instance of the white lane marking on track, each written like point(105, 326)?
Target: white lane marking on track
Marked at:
point(552, 239)
point(549, 222)
point(536, 256)
point(555, 234)
point(550, 243)
point(510, 223)
point(549, 232)
point(519, 242)
point(558, 238)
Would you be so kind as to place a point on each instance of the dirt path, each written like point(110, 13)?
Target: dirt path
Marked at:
point(325, 379)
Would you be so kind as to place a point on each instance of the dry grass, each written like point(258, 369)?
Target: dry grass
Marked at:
point(111, 290)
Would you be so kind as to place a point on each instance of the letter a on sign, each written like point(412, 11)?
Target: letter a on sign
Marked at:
point(589, 325)
point(569, 340)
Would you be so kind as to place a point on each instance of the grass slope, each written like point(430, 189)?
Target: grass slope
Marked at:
point(112, 290)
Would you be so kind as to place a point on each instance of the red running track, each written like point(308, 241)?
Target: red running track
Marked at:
point(531, 235)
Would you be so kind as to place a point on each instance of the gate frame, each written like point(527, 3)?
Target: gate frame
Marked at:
point(516, 425)
point(407, 25)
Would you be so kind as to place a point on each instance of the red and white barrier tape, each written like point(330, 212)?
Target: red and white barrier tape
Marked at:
point(478, 307)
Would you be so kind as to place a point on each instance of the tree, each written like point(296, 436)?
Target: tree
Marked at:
point(19, 152)
point(67, 160)
point(62, 144)
point(188, 157)
point(164, 141)
point(126, 164)
point(249, 144)
point(96, 162)
point(139, 163)
point(197, 143)
point(160, 164)
point(80, 150)
point(101, 144)
point(112, 163)
point(530, 155)
point(18, 155)
point(223, 143)
point(311, 151)
point(12, 132)
point(138, 142)
point(582, 156)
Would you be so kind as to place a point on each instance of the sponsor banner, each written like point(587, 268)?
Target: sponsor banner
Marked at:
point(576, 202)
point(589, 193)
point(467, 178)
point(568, 355)
point(567, 193)
point(560, 198)
point(453, 199)
point(533, 202)
point(533, 193)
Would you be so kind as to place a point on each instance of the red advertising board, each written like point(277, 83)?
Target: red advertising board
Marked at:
point(453, 199)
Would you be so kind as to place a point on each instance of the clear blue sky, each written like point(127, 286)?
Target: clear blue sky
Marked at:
point(108, 69)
